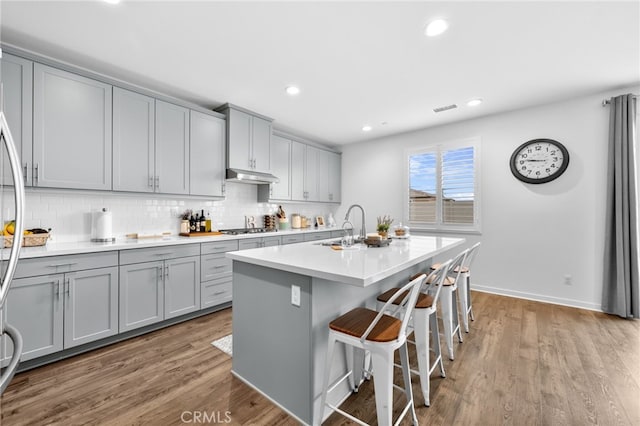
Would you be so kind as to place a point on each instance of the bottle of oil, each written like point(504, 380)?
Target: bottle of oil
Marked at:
point(208, 223)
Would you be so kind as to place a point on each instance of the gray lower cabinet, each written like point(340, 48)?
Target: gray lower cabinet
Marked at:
point(315, 236)
point(90, 305)
point(250, 243)
point(35, 307)
point(157, 284)
point(59, 311)
point(292, 239)
point(216, 280)
point(17, 83)
point(71, 130)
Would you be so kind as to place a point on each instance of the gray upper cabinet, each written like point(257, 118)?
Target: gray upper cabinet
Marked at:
point(172, 148)
point(207, 168)
point(298, 154)
point(248, 140)
point(322, 175)
point(71, 130)
point(280, 167)
point(311, 174)
point(17, 81)
point(335, 177)
point(133, 141)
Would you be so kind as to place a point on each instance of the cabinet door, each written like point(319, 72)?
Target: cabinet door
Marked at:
point(172, 148)
point(280, 167)
point(207, 168)
point(182, 286)
point(298, 155)
point(141, 295)
point(261, 144)
point(239, 146)
point(335, 177)
point(34, 307)
point(16, 75)
point(71, 130)
point(133, 141)
point(322, 175)
point(90, 305)
point(311, 174)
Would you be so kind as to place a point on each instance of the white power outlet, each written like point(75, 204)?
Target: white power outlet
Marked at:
point(295, 295)
point(568, 279)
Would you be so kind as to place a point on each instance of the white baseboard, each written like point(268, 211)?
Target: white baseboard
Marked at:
point(537, 297)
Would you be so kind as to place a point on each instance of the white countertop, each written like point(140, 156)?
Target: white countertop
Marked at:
point(360, 267)
point(80, 247)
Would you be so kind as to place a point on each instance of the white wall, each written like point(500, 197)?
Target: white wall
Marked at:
point(532, 235)
point(68, 213)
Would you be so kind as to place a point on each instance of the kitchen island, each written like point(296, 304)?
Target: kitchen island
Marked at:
point(284, 298)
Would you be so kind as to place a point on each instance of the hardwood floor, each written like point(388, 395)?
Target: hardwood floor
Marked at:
point(522, 363)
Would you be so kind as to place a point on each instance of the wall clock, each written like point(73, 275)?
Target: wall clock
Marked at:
point(539, 161)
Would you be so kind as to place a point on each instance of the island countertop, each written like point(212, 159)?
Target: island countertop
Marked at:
point(360, 266)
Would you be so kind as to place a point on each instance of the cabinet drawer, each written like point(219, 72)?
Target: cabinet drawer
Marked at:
point(271, 241)
point(158, 253)
point(58, 264)
point(219, 247)
point(292, 239)
point(249, 243)
point(216, 292)
point(315, 236)
point(213, 265)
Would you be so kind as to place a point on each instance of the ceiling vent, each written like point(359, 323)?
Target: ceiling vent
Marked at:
point(445, 108)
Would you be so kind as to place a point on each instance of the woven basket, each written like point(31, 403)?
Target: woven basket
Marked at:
point(31, 240)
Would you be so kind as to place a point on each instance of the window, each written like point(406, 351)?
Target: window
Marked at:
point(443, 187)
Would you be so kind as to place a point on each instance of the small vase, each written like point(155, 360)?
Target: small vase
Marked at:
point(383, 234)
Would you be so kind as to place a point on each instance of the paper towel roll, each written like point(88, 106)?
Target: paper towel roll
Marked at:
point(102, 226)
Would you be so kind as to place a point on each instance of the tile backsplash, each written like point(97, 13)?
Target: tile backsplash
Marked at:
point(68, 213)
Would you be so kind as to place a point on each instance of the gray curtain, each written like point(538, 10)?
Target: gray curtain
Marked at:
point(621, 294)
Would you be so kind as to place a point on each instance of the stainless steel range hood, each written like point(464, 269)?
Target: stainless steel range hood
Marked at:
point(249, 176)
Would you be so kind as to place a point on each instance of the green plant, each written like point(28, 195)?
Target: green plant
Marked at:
point(384, 222)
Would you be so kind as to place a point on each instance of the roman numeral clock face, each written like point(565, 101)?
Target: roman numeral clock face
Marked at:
point(539, 161)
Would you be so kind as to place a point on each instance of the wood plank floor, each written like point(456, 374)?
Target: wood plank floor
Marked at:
point(524, 363)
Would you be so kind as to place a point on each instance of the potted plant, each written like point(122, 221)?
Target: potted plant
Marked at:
point(384, 222)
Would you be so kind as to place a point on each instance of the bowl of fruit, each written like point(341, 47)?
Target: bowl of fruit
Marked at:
point(30, 237)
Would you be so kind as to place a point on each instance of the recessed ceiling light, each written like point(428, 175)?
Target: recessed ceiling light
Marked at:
point(292, 90)
point(436, 27)
point(474, 102)
point(112, 1)
point(366, 128)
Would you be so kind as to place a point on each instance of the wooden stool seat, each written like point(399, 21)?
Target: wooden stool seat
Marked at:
point(463, 269)
point(424, 300)
point(355, 323)
point(447, 280)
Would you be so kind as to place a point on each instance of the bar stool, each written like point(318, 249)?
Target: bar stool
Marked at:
point(465, 287)
point(381, 335)
point(425, 321)
point(449, 303)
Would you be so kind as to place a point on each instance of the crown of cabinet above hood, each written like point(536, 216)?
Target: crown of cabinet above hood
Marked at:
point(248, 146)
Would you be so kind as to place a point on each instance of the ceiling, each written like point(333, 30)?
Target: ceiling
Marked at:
point(356, 63)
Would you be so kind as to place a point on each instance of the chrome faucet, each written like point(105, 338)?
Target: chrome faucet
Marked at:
point(363, 231)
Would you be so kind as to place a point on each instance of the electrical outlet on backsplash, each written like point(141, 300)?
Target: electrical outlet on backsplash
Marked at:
point(68, 213)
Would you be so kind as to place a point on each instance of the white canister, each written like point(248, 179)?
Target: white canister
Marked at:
point(102, 226)
point(296, 221)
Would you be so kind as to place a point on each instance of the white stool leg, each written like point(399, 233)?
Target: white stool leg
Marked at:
point(447, 319)
point(383, 385)
point(470, 305)
point(456, 315)
point(421, 333)
point(464, 300)
point(437, 348)
point(406, 376)
point(327, 374)
point(349, 354)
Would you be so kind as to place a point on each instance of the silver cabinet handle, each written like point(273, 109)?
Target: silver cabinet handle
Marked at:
point(67, 287)
point(57, 284)
point(36, 175)
point(217, 293)
point(224, 188)
point(157, 182)
point(166, 271)
point(26, 171)
point(160, 269)
point(218, 267)
point(150, 181)
point(162, 254)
